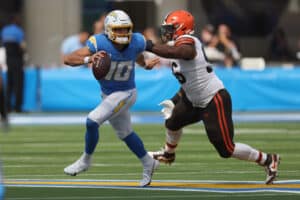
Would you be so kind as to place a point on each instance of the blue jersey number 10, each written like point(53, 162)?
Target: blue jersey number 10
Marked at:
point(119, 71)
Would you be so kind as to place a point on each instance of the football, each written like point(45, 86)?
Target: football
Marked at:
point(101, 66)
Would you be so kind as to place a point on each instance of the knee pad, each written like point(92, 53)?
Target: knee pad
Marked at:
point(221, 148)
point(91, 125)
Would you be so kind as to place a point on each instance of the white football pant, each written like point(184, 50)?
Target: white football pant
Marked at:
point(115, 108)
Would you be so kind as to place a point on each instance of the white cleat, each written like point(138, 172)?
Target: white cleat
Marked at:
point(78, 166)
point(148, 172)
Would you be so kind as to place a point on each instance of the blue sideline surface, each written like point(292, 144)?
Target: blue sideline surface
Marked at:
point(75, 89)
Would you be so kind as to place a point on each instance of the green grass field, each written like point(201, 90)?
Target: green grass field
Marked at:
point(41, 152)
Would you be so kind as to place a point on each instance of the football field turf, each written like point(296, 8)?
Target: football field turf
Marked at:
point(34, 157)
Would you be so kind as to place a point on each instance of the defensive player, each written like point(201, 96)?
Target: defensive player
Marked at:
point(118, 89)
point(202, 97)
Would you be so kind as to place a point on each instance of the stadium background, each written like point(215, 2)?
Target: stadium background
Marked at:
point(268, 97)
point(253, 23)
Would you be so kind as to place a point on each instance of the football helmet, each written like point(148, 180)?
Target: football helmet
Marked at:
point(118, 19)
point(177, 23)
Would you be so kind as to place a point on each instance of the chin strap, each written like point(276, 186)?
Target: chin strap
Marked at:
point(167, 109)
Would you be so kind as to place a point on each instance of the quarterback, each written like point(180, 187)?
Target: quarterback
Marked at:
point(118, 89)
point(202, 97)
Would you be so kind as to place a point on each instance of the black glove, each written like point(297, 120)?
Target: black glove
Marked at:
point(149, 45)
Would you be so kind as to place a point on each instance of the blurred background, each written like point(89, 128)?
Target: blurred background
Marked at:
point(259, 67)
point(254, 46)
point(253, 23)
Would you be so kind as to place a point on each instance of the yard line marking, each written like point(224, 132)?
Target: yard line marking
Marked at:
point(137, 173)
point(289, 186)
point(137, 118)
point(143, 196)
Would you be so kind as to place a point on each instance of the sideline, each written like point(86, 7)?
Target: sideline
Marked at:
point(287, 186)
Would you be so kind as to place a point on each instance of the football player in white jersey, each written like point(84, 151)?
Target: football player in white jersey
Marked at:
point(202, 97)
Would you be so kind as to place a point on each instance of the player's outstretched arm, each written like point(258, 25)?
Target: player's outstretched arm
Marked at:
point(147, 63)
point(184, 51)
point(78, 57)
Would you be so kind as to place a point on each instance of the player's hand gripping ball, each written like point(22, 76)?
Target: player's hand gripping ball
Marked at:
point(100, 64)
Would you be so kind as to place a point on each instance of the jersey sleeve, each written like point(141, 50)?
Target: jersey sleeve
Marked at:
point(140, 42)
point(92, 44)
point(184, 40)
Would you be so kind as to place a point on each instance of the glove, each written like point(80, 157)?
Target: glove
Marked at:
point(168, 107)
point(149, 45)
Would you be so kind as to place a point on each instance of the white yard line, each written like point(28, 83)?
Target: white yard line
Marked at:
point(149, 197)
point(203, 186)
point(137, 118)
point(138, 173)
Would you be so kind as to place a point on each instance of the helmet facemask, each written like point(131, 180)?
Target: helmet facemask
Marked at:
point(167, 32)
point(177, 23)
point(120, 38)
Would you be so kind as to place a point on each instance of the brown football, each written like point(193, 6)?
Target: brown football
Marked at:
point(101, 66)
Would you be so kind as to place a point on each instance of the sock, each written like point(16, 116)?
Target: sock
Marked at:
point(172, 139)
point(147, 160)
point(86, 157)
point(91, 136)
point(245, 152)
point(135, 144)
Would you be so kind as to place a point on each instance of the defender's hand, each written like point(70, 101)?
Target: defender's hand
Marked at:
point(151, 62)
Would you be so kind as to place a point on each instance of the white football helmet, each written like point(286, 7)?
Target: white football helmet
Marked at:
point(118, 19)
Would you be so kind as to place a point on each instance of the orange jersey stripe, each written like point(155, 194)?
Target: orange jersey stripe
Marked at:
point(221, 125)
point(225, 122)
point(184, 40)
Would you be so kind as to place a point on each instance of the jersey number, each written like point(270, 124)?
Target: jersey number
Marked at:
point(119, 71)
point(176, 71)
point(180, 77)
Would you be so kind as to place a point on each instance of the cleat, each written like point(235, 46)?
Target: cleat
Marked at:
point(77, 167)
point(163, 156)
point(148, 172)
point(272, 168)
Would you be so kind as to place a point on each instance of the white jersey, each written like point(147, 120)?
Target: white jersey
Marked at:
point(196, 76)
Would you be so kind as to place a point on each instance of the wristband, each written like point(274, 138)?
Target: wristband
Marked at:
point(86, 60)
point(149, 45)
